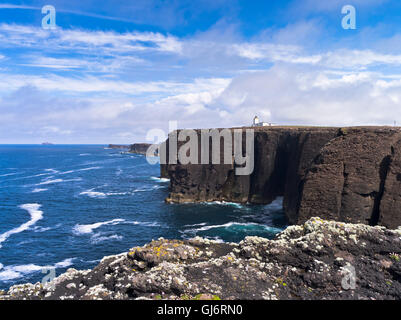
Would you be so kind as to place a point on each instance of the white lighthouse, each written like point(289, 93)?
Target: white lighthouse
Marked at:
point(256, 121)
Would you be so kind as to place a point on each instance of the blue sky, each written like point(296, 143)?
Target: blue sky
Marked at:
point(113, 70)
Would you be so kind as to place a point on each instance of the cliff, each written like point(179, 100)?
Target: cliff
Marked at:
point(118, 146)
point(139, 148)
point(317, 260)
point(346, 174)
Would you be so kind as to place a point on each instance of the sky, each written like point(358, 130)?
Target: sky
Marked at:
point(111, 71)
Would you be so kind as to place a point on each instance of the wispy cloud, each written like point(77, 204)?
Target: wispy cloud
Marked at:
point(17, 6)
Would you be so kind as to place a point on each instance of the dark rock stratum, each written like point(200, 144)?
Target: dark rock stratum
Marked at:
point(346, 174)
point(310, 261)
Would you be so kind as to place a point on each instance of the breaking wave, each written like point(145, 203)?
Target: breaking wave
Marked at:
point(160, 179)
point(98, 237)
point(36, 215)
point(37, 190)
point(88, 228)
point(18, 271)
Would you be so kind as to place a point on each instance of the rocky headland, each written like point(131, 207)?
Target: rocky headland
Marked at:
point(118, 146)
point(346, 174)
point(315, 260)
point(139, 148)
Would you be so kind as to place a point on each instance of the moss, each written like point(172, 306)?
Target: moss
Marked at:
point(280, 281)
point(203, 295)
point(395, 256)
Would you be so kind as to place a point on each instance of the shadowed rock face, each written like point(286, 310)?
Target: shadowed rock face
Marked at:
point(348, 174)
point(354, 179)
point(317, 260)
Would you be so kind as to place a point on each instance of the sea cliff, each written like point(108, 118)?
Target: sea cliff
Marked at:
point(347, 174)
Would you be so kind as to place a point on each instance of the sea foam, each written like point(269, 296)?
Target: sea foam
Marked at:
point(36, 215)
point(18, 271)
point(160, 179)
point(8, 174)
point(232, 226)
point(88, 228)
point(98, 237)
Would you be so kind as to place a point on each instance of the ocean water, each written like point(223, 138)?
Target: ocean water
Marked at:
point(69, 206)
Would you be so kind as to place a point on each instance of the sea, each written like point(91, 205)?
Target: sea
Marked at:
point(68, 206)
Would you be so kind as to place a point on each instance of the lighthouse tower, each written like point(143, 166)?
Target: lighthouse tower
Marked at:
point(256, 121)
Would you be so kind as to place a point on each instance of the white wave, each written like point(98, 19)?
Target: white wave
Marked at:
point(41, 229)
point(88, 228)
point(160, 179)
point(97, 238)
point(33, 176)
point(36, 215)
point(18, 271)
point(65, 263)
point(216, 238)
point(50, 182)
point(80, 229)
point(97, 194)
point(277, 204)
point(147, 189)
point(36, 190)
point(224, 203)
point(52, 170)
point(195, 225)
point(9, 174)
point(1, 266)
point(79, 170)
point(84, 154)
point(46, 182)
point(93, 194)
point(149, 224)
point(233, 224)
point(116, 193)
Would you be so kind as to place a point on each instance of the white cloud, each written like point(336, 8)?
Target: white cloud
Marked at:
point(90, 84)
point(95, 86)
point(84, 40)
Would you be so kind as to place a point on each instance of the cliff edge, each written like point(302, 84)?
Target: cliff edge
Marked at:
point(347, 174)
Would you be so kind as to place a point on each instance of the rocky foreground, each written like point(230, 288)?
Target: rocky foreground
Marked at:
point(317, 260)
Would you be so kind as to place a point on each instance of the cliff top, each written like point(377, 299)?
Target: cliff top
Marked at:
point(313, 128)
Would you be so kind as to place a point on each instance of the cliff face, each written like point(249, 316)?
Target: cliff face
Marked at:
point(139, 148)
point(317, 260)
point(356, 178)
point(348, 174)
